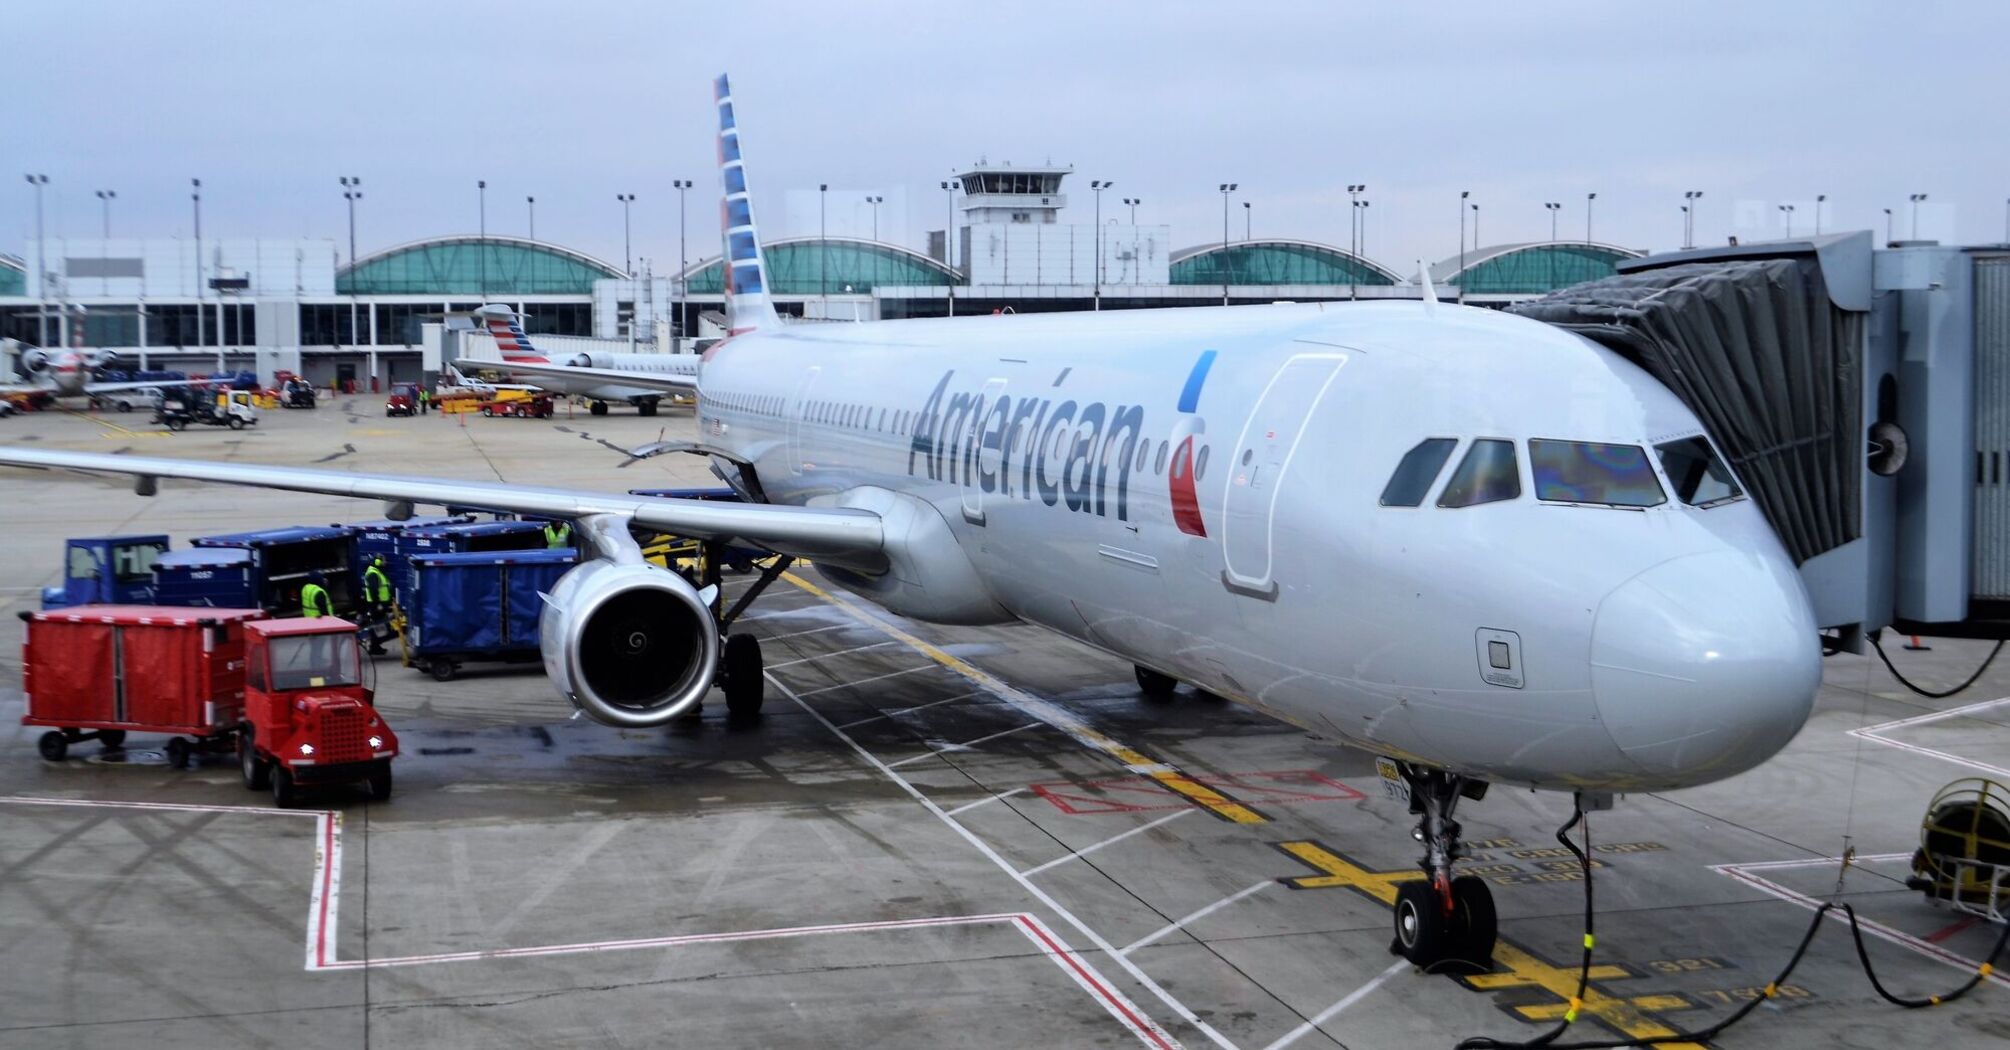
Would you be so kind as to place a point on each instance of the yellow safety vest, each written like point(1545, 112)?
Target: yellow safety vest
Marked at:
point(314, 601)
point(376, 584)
point(557, 534)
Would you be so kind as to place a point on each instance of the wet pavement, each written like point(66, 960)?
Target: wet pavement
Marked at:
point(931, 838)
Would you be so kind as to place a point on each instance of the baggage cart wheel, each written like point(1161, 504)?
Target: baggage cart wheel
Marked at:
point(257, 773)
point(112, 738)
point(442, 669)
point(53, 745)
point(283, 792)
point(745, 687)
point(177, 753)
point(380, 782)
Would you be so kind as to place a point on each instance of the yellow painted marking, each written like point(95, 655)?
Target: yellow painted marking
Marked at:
point(1627, 1015)
point(1134, 760)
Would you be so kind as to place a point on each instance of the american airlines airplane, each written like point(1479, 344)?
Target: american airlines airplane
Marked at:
point(1484, 549)
point(64, 372)
point(599, 377)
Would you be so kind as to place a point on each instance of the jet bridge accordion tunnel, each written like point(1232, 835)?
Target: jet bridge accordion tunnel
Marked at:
point(1863, 396)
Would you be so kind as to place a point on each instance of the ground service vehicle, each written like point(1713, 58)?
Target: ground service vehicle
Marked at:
point(101, 671)
point(307, 713)
point(181, 407)
point(115, 570)
point(296, 393)
point(537, 406)
point(403, 400)
point(479, 605)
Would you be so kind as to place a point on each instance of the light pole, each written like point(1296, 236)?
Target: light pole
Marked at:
point(482, 241)
point(1788, 211)
point(1463, 194)
point(105, 198)
point(1820, 198)
point(875, 202)
point(1476, 227)
point(1554, 207)
point(1887, 227)
point(1689, 217)
point(1245, 222)
point(683, 262)
point(351, 195)
point(1226, 189)
point(1588, 199)
point(195, 197)
point(627, 248)
point(1916, 198)
point(823, 251)
point(41, 266)
point(1134, 202)
point(530, 208)
point(949, 189)
point(1098, 188)
point(1354, 218)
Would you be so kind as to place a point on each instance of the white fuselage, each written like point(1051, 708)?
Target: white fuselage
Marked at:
point(1652, 647)
point(598, 388)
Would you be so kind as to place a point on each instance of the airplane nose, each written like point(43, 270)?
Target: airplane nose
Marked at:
point(1705, 665)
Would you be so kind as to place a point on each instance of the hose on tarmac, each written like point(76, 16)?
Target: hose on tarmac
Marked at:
point(1906, 682)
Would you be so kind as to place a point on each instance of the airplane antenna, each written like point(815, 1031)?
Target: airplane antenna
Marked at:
point(1430, 293)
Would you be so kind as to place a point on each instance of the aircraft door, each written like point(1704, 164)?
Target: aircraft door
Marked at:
point(1255, 471)
point(980, 454)
point(796, 418)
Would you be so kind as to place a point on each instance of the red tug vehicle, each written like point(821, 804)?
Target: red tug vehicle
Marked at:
point(290, 694)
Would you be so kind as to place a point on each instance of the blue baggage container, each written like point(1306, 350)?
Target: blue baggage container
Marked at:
point(478, 605)
point(283, 559)
point(380, 539)
point(462, 538)
point(217, 577)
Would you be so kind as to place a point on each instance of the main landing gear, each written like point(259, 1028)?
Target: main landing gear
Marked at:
point(740, 674)
point(1442, 919)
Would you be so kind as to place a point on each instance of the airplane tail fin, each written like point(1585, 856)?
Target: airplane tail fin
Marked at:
point(507, 328)
point(747, 304)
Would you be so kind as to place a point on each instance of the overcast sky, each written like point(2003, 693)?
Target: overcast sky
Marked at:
point(1754, 103)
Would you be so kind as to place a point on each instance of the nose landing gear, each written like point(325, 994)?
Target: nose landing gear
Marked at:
point(1441, 918)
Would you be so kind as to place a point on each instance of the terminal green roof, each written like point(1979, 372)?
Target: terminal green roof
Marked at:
point(1534, 268)
point(13, 276)
point(1275, 262)
point(454, 266)
point(812, 266)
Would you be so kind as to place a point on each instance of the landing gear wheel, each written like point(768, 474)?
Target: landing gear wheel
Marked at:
point(257, 773)
point(178, 752)
point(745, 686)
point(53, 745)
point(598, 408)
point(111, 739)
point(442, 669)
point(1155, 685)
point(380, 783)
point(1423, 932)
point(1477, 923)
point(283, 792)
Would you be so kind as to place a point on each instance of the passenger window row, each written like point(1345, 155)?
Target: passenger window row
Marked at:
point(1590, 473)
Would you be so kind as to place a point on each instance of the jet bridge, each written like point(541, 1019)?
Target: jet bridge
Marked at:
point(1862, 394)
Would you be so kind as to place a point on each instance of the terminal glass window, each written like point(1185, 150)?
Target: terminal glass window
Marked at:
point(1414, 475)
point(1488, 474)
point(1591, 472)
point(315, 661)
point(1701, 479)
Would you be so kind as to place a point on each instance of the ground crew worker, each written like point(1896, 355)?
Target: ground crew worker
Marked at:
point(314, 599)
point(557, 534)
point(377, 595)
point(425, 400)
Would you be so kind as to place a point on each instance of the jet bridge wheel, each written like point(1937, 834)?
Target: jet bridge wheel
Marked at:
point(744, 684)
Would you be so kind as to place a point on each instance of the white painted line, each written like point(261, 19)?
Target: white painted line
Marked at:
point(898, 711)
point(1095, 939)
point(967, 806)
point(1086, 850)
point(1333, 1011)
point(1744, 873)
point(1875, 734)
point(826, 656)
point(1180, 923)
point(865, 681)
point(813, 630)
point(965, 746)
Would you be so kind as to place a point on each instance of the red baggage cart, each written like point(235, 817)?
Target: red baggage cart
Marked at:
point(101, 671)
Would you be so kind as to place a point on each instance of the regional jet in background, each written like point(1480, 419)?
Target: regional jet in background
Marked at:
point(1481, 548)
point(65, 372)
point(598, 377)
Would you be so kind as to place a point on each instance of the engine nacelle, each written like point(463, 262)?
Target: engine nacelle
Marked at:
point(631, 645)
point(35, 362)
point(584, 361)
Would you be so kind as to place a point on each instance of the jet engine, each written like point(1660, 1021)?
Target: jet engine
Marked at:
point(34, 362)
point(582, 361)
point(631, 645)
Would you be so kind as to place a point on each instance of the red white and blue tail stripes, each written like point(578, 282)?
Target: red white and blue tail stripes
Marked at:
point(747, 305)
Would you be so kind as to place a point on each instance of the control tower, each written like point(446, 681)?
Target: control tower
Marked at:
point(1012, 234)
point(1001, 193)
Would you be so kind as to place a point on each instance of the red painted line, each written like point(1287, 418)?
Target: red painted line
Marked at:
point(1950, 930)
point(1110, 999)
point(327, 888)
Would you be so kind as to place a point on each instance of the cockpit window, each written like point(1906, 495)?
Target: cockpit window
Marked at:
point(1591, 472)
point(1487, 475)
point(1700, 478)
point(1413, 477)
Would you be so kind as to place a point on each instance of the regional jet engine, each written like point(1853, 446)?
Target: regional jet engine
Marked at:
point(630, 644)
point(34, 362)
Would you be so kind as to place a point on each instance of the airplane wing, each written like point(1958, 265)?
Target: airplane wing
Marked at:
point(853, 538)
point(670, 382)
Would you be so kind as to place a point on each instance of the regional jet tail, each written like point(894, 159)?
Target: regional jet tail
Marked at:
point(640, 379)
point(1480, 547)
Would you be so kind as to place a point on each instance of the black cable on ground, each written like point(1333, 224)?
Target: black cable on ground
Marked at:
point(1704, 1035)
point(1906, 682)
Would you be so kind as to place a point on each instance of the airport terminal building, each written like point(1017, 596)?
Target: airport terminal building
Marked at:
point(296, 304)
